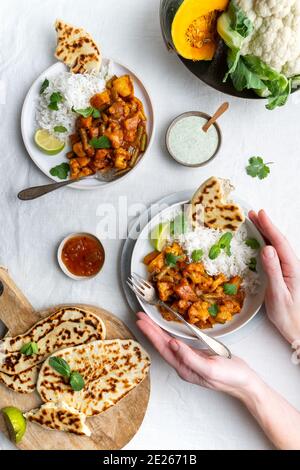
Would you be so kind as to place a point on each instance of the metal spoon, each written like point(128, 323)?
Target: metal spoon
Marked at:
point(221, 110)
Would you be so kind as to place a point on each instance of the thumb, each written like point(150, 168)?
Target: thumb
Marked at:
point(187, 357)
point(273, 271)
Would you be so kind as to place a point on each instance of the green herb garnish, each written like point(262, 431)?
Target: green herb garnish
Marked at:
point(197, 255)
point(253, 243)
point(171, 260)
point(29, 349)
point(44, 86)
point(87, 112)
point(230, 289)
point(102, 142)
point(222, 244)
point(55, 99)
point(60, 129)
point(258, 168)
point(62, 367)
point(60, 171)
point(76, 381)
point(213, 310)
point(252, 265)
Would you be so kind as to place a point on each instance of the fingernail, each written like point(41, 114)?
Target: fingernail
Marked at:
point(269, 252)
point(174, 345)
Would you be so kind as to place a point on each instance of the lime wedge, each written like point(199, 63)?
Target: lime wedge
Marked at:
point(48, 143)
point(159, 235)
point(15, 422)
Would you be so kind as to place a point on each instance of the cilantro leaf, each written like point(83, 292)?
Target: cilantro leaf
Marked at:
point(29, 349)
point(44, 86)
point(252, 243)
point(252, 265)
point(230, 289)
point(197, 255)
point(87, 112)
point(60, 129)
point(55, 99)
point(258, 168)
point(102, 142)
point(225, 240)
point(213, 310)
point(76, 381)
point(214, 252)
point(53, 106)
point(60, 171)
point(171, 260)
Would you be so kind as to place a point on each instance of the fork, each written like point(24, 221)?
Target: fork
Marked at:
point(146, 292)
point(38, 191)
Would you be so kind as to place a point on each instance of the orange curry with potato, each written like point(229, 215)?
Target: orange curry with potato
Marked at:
point(191, 291)
point(121, 120)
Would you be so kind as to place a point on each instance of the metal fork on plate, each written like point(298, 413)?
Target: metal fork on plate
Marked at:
point(146, 292)
point(38, 191)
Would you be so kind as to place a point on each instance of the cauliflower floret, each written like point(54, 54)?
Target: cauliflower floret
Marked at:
point(276, 34)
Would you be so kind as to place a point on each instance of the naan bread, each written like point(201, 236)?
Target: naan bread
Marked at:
point(59, 417)
point(110, 369)
point(77, 49)
point(64, 328)
point(212, 207)
point(25, 382)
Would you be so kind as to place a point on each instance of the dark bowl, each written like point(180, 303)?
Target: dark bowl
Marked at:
point(210, 72)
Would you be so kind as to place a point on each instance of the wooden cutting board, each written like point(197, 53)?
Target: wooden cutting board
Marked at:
point(111, 430)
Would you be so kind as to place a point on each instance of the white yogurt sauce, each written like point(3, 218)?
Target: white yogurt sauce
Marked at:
point(189, 143)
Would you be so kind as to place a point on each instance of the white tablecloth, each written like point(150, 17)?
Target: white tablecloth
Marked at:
point(180, 415)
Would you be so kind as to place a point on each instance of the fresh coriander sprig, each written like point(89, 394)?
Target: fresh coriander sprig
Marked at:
point(258, 168)
point(29, 349)
point(62, 367)
point(87, 112)
point(213, 310)
point(55, 99)
point(60, 171)
point(223, 244)
point(171, 259)
point(197, 255)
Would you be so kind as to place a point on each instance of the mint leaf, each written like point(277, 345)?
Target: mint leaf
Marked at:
point(230, 289)
point(214, 252)
point(225, 240)
point(197, 255)
point(29, 349)
point(257, 168)
point(44, 86)
point(252, 265)
point(60, 171)
point(252, 243)
point(60, 366)
point(171, 260)
point(76, 381)
point(60, 129)
point(213, 310)
point(102, 142)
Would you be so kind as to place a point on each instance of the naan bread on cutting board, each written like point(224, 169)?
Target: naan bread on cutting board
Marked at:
point(212, 206)
point(110, 369)
point(64, 328)
point(59, 417)
point(25, 382)
point(77, 49)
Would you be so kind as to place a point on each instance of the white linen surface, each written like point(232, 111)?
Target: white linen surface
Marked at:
point(180, 415)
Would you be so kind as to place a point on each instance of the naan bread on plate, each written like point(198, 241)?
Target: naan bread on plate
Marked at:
point(59, 417)
point(212, 206)
point(25, 382)
point(110, 369)
point(66, 327)
point(77, 49)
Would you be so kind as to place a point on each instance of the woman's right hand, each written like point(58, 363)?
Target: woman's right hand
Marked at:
point(283, 271)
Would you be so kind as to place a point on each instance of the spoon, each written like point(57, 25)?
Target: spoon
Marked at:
point(221, 110)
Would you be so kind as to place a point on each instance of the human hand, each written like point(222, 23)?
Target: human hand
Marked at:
point(232, 376)
point(283, 271)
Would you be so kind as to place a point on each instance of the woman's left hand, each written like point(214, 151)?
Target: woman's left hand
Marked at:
point(232, 376)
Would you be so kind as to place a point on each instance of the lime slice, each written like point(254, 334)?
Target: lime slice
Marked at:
point(159, 235)
point(15, 422)
point(48, 143)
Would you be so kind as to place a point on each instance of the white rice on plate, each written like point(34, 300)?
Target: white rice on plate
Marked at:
point(234, 265)
point(76, 89)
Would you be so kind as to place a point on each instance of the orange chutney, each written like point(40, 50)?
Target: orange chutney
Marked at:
point(83, 255)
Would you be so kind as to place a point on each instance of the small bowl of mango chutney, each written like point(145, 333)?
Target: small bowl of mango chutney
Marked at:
point(188, 144)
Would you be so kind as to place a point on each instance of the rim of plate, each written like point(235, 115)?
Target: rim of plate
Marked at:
point(167, 326)
point(81, 185)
